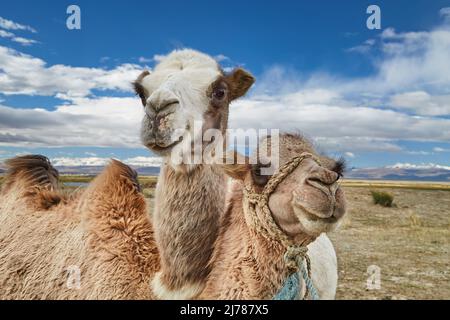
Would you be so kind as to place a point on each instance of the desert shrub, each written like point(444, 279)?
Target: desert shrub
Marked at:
point(382, 198)
point(148, 192)
point(415, 220)
point(148, 182)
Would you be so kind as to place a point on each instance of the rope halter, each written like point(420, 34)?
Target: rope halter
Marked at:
point(264, 222)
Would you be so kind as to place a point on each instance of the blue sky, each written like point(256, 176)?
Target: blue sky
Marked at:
point(378, 97)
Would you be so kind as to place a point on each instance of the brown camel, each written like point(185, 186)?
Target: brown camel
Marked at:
point(103, 234)
point(95, 244)
point(248, 260)
point(187, 89)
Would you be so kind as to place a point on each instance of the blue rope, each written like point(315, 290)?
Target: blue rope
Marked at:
point(293, 286)
point(311, 289)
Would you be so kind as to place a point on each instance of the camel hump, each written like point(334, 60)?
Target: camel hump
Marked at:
point(35, 176)
point(119, 169)
point(31, 171)
point(116, 179)
point(114, 193)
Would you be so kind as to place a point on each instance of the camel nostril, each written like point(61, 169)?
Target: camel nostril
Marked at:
point(324, 177)
point(316, 180)
point(167, 103)
point(162, 99)
point(338, 177)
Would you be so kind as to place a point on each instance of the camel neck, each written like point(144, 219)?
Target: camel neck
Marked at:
point(245, 264)
point(186, 218)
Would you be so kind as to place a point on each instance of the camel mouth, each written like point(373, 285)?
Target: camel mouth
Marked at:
point(157, 147)
point(301, 209)
point(315, 223)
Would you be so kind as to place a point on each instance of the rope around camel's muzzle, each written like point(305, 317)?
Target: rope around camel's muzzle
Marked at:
point(296, 255)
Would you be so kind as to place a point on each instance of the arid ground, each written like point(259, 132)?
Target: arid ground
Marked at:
point(409, 242)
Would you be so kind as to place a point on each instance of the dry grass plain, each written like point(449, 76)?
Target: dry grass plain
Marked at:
point(409, 242)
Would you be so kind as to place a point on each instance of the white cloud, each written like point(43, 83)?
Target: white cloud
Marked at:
point(23, 74)
point(438, 149)
point(228, 69)
point(401, 43)
point(408, 61)
point(106, 121)
point(370, 113)
point(221, 58)
point(337, 123)
point(11, 25)
point(13, 37)
point(24, 41)
point(419, 153)
point(91, 154)
point(422, 103)
point(364, 114)
point(144, 60)
point(6, 34)
point(76, 162)
point(98, 161)
point(363, 48)
point(365, 144)
point(158, 57)
point(343, 115)
point(445, 13)
point(419, 166)
point(350, 154)
point(144, 161)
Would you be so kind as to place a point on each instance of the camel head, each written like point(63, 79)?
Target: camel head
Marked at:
point(309, 200)
point(186, 94)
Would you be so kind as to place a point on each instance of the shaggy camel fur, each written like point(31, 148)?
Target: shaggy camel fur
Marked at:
point(104, 231)
point(101, 236)
point(185, 91)
point(248, 265)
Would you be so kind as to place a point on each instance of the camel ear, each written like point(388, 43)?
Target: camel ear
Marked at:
point(239, 81)
point(236, 165)
point(139, 88)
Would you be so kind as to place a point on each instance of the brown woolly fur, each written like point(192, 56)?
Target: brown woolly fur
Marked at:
point(193, 204)
point(139, 89)
point(37, 178)
point(293, 208)
point(240, 81)
point(257, 270)
point(102, 236)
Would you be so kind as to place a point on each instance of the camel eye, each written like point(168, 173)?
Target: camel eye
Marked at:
point(258, 177)
point(219, 93)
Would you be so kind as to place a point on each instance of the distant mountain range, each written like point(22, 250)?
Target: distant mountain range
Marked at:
point(396, 173)
point(93, 170)
point(414, 173)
